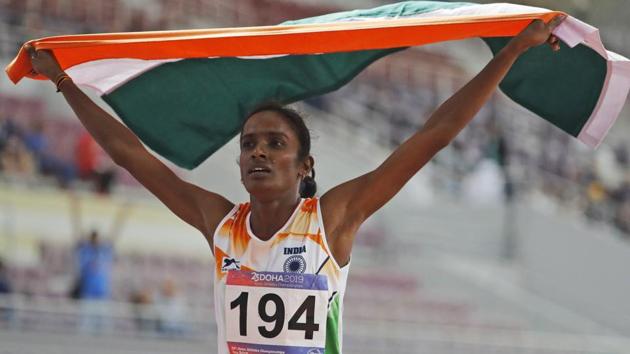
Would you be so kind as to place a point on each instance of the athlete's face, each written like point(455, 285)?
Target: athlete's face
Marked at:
point(269, 156)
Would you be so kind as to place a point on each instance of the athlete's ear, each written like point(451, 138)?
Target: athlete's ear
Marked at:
point(308, 165)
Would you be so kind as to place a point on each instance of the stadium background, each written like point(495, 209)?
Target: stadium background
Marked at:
point(514, 239)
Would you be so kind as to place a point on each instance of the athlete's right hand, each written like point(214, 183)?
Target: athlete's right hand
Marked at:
point(44, 62)
point(538, 32)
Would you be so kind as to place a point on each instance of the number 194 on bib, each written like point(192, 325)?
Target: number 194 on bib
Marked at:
point(280, 313)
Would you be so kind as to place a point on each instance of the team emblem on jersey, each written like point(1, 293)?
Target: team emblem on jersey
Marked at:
point(295, 264)
point(315, 351)
point(230, 264)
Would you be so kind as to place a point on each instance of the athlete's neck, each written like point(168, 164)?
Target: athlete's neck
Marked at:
point(267, 217)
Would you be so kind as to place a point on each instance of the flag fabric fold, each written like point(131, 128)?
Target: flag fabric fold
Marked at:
point(186, 93)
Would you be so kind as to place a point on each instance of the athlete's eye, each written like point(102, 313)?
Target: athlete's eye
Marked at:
point(276, 143)
point(247, 144)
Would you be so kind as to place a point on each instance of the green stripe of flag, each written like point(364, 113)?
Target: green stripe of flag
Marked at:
point(561, 87)
point(186, 110)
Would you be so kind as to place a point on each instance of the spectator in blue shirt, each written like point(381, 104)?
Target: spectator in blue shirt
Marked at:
point(94, 261)
point(48, 164)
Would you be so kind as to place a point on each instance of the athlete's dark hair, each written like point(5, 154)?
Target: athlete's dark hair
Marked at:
point(308, 187)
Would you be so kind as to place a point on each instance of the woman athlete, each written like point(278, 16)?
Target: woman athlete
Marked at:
point(279, 277)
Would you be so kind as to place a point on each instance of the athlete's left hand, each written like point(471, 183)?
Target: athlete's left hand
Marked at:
point(538, 33)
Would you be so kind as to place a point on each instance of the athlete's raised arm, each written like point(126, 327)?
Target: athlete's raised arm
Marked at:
point(196, 206)
point(346, 206)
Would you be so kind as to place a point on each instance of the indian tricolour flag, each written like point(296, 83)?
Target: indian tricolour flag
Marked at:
point(185, 93)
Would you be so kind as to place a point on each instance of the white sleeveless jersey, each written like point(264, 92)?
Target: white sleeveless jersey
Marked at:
point(298, 247)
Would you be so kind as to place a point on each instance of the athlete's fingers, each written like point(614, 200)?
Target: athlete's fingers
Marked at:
point(555, 46)
point(554, 43)
point(555, 22)
point(31, 51)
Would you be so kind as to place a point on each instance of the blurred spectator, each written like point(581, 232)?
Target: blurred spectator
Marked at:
point(143, 311)
point(94, 260)
point(622, 198)
point(171, 310)
point(37, 143)
point(91, 164)
point(8, 129)
point(16, 162)
point(137, 21)
point(539, 157)
point(5, 285)
point(5, 288)
point(622, 218)
point(607, 168)
point(622, 155)
point(35, 139)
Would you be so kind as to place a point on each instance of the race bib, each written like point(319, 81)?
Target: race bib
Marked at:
point(275, 313)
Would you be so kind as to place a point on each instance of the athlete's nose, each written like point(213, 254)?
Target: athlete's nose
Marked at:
point(258, 152)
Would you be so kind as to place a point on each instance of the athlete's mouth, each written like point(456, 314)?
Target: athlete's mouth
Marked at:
point(259, 170)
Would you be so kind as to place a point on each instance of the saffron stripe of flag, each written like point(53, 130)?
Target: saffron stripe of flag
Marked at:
point(186, 93)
